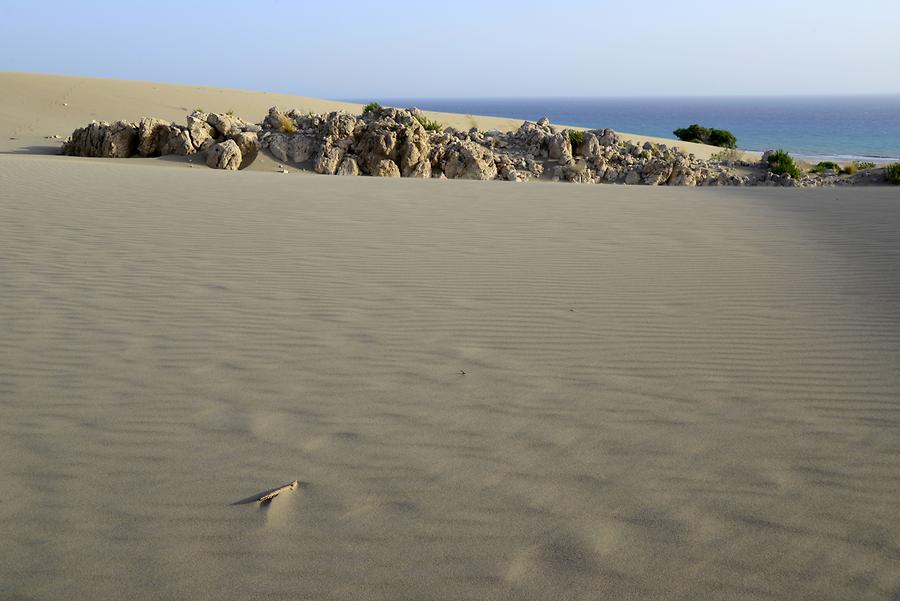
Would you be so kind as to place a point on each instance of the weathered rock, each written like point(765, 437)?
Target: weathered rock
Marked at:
point(559, 147)
point(591, 148)
point(149, 130)
point(277, 144)
point(248, 144)
point(386, 168)
point(467, 160)
point(202, 133)
point(394, 135)
point(656, 172)
point(328, 159)
point(174, 139)
point(682, 175)
point(348, 166)
point(110, 140)
point(225, 125)
point(224, 155)
point(608, 137)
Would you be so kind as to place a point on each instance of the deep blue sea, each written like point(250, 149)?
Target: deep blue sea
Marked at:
point(846, 127)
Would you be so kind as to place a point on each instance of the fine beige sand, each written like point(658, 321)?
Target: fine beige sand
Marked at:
point(668, 393)
point(33, 106)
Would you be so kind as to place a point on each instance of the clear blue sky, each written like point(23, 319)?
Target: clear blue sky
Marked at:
point(466, 48)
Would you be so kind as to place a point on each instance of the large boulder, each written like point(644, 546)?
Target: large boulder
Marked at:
point(337, 133)
point(149, 132)
point(394, 135)
point(248, 144)
point(224, 124)
point(175, 139)
point(202, 133)
point(110, 140)
point(224, 155)
point(656, 172)
point(386, 168)
point(559, 147)
point(348, 166)
point(466, 160)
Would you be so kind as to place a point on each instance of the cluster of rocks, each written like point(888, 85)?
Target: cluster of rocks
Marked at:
point(228, 142)
point(390, 142)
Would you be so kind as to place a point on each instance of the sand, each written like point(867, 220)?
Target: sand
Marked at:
point(487, 390)
point(668, 393)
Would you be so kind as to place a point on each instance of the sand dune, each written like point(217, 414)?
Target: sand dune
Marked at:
point(35, 106)
point(668, 393)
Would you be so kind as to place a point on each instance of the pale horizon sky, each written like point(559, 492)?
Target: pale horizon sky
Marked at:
point(467, 48)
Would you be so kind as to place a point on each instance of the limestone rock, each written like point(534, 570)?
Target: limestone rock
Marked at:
point(174, 139)
point(224, 155)
point(386, 168)
point(248, 144)
point(225, 125)
point(149, 130)
point(559, 146)
point(394, 135)
point(111, 140)
point(467, 160)
point(348, 166)
point(202, 133)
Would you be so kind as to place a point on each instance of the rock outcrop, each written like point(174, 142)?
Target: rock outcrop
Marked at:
point(390, 142)
point(116, 140)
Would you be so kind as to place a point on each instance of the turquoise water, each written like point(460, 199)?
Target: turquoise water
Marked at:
point(843, 127)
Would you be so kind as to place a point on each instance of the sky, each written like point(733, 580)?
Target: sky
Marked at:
point(467, 48)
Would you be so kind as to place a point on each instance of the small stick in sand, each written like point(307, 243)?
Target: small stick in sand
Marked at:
point(266, 496)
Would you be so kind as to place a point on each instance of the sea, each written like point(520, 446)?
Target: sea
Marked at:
point(865, 128)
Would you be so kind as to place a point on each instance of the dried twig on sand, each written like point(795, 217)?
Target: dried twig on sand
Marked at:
point(267, 495)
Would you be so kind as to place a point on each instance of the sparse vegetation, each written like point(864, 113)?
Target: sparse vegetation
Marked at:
point(823, 166)
point(199, 109)
point(576, 137)
point(862, 165)
point(728, 156)
point(287, 125)
point(705, 135)
point(230, 112)
point(372, 106)
point(892, 174)
point(429, 124)
point(850, 169)
point(781, 162)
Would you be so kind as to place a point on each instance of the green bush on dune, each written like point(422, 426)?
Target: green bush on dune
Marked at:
point(428, 124)
point(576, 137)
point(892, 174)
point(781, 162)
point(823, 166)
point(372, 106)
point(705, 135)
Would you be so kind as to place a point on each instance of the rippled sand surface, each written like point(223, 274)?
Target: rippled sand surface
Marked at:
point(668, 393)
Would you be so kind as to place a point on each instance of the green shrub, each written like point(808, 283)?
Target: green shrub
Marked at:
point(722, 138)
point(576, 137)
point(823, 166)
point(704, 135)
point(863, 165)
point(781, 162)
point(428, 124)
point(892, 173)
point(372, 106)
